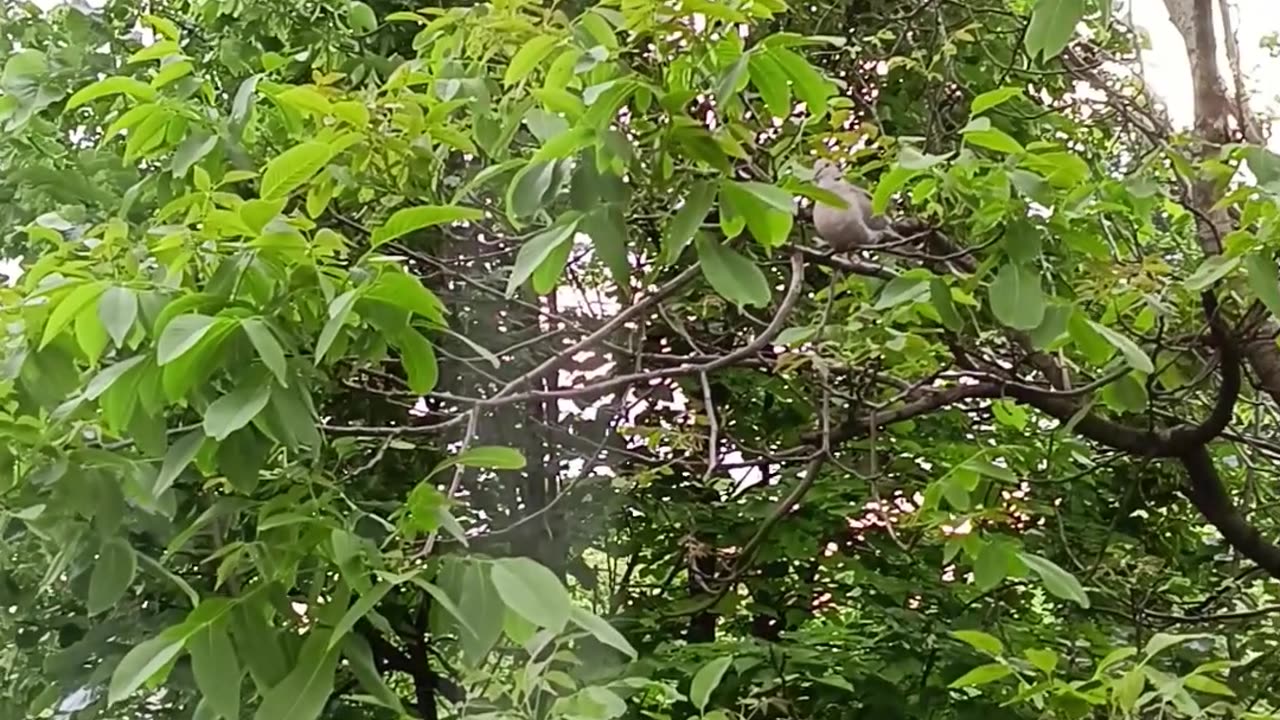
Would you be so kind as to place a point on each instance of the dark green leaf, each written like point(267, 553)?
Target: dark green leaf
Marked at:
point(269, 350)
point(1133, 354)
point(142, 663)
point(216, 669)
point(112, 575)
point(305, 690)
point(1264, 280)
point(1053, 23)
point(687, 220)
point(419, 360)
point(535, 251)
point(180, 455)
point(361, 608)
point(408, 220)
point(1016, 298)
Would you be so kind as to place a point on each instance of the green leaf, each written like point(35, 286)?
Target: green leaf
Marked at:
point(992, 98)
point(601, 630)
point(535, 251)
point(68, 308)
point(493, 457)
point(903, 289)
point(564, 144)
point(412, 219)
point(1264, 280)
point(1208, 685)
point(1213, 269)
point(994, 139)
point(483, 609)
point(109, 375)
point(1133, 354)
point(361, 18)
point(181, 335)
point(114, 85)
point(112, 575)
point(979, 640)
point(1016, 298)
point(293, 167)
point(191, 151)
point(268, 348)
point(736, 278)
point(118, 309)
point(1045, 660)
point(358, 610)
point(1053, 23)
point(419, 360)
point(940, 296)
point(216, 669)
point(1056, 580)
point(339, 311)
point(766, 209)
point(529, 188)
point(528, 57)
point(407, 292)
point(770, 80)
point(1163, 641)
point(982, 675)
point(361, 663)
point(706, 680)
point(236, 409)
point(142, 663)
point(532, 592)
point(305, 690)
point(607, 228)
point(807, 82)
point(687, 220)
point(178, 457)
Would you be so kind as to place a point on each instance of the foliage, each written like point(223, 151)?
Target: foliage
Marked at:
point(379, 361)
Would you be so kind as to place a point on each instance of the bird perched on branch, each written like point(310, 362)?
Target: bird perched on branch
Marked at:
point(851, 227)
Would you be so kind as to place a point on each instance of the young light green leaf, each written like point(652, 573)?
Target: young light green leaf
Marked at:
point(527, 58)
point(1163, 641)
point(118, 310)
point(994, 139)
point(178, 457)
point(406, 291)
point(358, 610)
point(1053, 23)
point(940, 297)
point(730, 274)
point(419, 360)
point(269, 350)
point(293, 167)
point(979, 640)
point(1208, 685)
point(532, 592)
point(1264, 280)
point(535, 251)
point(1045, 660)
point(339, 311)
point(412, 219)
point(1133, 354)
point(112, 574)
point(141, 663)
point(992, 98)
point(71, 305)
point(602, 630)
point(687, 220)
point(1017, 300)
point(1213, 269)
point(982, 675)
point(114, 85)
point(181, 335)
point(216, 669)
point(1056, 580)
point(236, 409)
point(706, 680)
point(305, 690)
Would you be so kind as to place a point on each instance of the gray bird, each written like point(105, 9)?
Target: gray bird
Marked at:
point(846, 228)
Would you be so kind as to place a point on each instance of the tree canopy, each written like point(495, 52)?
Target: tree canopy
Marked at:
point(371, 360)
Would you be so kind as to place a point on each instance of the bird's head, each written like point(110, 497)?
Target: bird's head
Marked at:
point(826, 173)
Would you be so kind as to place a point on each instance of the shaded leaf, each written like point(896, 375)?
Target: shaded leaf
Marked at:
point(532, 591)
point(732, 275)
point(409, 220)
point(707, 679)
point(113, 573)
point(1056, 580)
point(236, 409)
point(1017, 300)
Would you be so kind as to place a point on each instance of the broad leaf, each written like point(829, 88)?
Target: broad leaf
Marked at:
point(532, 591)
point(142, 663)
point(408, 220)
point(112, 575)
point(736, 278)
point(706, 680)
point(294, 167)
point(1056, 580)
point(236, 409)
point(216, 669)
point(1017, 300)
